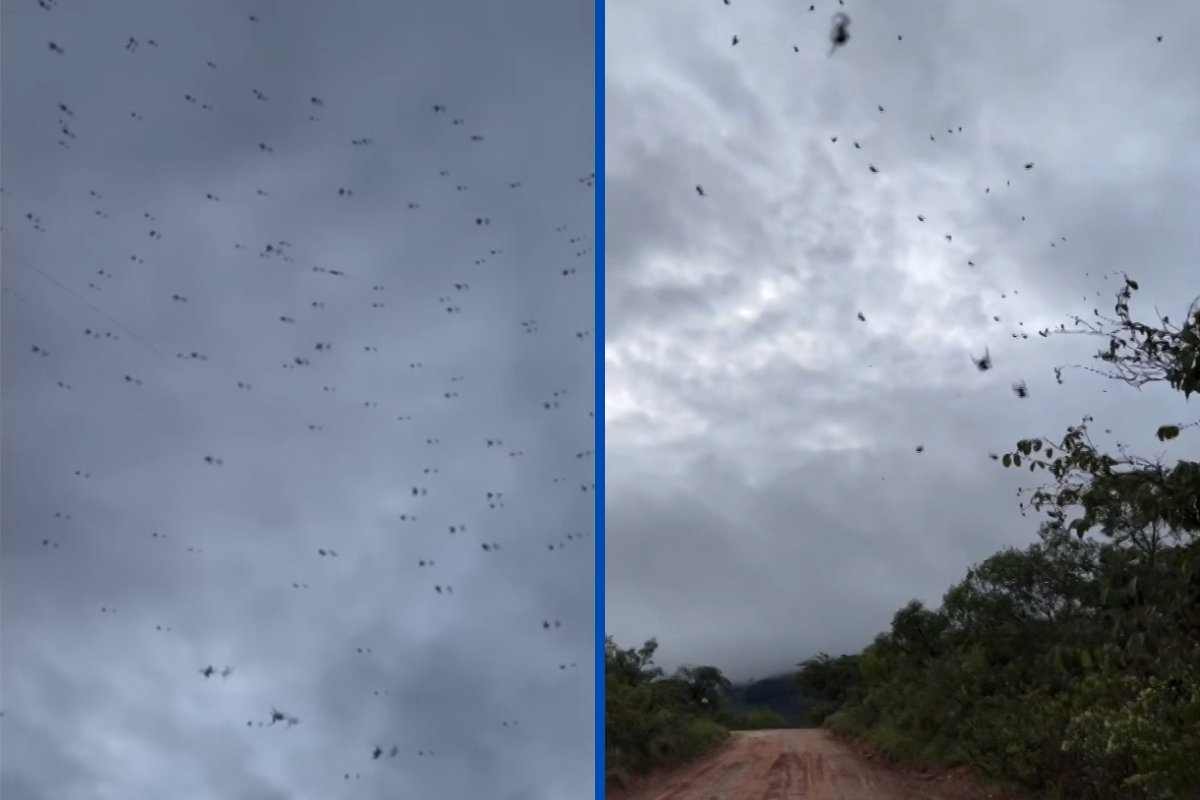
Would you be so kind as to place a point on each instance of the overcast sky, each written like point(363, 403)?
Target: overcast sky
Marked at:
point(764, 496)
point(386, 317)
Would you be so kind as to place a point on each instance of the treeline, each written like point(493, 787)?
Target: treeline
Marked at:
point(653, 720)
point(1071, 666)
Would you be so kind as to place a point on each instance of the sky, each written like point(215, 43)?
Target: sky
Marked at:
point(298, 379)
point(764, 497)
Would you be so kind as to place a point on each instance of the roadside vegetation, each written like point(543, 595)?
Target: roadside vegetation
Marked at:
point(654, 720)
point(1071, 666)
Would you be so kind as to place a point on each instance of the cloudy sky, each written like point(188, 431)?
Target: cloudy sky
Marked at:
point(375, 318)
point(764, 497)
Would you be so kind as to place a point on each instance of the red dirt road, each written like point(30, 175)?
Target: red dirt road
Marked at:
point(791, 765)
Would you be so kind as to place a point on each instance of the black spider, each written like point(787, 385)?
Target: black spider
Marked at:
point(841, 31)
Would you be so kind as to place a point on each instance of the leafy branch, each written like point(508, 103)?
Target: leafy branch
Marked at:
point(1137, 353)
point(1108, 487)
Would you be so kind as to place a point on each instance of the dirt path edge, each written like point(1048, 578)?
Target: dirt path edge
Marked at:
point(663, 774)
point(968, 780)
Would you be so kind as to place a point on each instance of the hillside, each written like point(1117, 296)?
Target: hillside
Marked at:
point(777, 694)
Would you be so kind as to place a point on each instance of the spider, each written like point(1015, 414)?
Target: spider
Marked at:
point(840, 33)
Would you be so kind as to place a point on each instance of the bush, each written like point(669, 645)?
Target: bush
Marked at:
point(654, 721)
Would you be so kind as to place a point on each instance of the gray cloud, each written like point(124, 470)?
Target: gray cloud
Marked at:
point(764, 496)
point(129, 563)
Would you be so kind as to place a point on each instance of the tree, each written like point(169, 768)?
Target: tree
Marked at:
point(829, 682)
point(634, 666)
point(1143, 705)
point(651, 720)
point(706, 687)
point(1107, 489)
point(1130, 499)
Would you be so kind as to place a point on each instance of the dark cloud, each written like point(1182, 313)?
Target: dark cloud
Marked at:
point(429, 392)
point(764, 496)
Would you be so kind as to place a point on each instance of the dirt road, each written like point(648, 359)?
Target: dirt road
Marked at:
point(790, 765)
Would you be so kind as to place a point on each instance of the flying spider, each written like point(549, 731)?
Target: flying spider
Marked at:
point(840, 34)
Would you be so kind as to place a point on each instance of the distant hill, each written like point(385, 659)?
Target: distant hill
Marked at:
point(777, 693)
